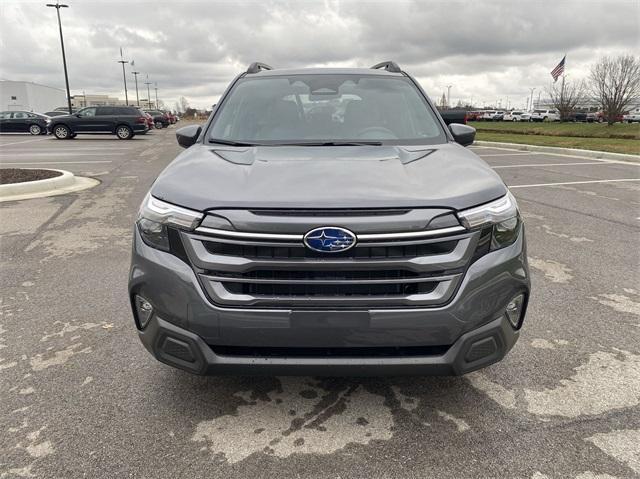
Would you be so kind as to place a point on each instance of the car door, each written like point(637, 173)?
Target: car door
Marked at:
point(85, 120)
point(5, 123)
point(106, 119)
point(19, 121)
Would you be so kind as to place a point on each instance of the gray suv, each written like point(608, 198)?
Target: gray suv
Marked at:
point(328, 222)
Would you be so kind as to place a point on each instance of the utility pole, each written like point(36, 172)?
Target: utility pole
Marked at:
point(124, 77)
point(531, 98)
point(539, 99)
point(156, 88)
point(449, 95)
point(58, 6)
point(148, 92)
point(135, 75)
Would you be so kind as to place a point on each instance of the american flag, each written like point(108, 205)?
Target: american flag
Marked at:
point(559, 70)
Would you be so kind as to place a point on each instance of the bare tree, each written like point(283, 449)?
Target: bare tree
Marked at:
point(615, 84)
point(184, 103)
point(566, 97)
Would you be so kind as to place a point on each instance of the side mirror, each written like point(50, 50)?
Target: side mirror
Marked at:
point(462, 134)
point(188, 135)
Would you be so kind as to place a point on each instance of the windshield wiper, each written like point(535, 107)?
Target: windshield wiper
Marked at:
point(231, 143)
point(333, 143)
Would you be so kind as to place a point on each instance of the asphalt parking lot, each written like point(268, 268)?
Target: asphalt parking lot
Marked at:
point(81, 397)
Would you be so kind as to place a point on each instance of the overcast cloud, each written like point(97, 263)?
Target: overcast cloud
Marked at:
point(487, 50)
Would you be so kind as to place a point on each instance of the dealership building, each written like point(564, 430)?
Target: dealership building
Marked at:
point(28, 96)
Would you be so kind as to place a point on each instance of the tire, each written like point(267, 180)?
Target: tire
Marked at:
point(62, 132)
point(158, 125)
point(35, 130)
point(123, 132)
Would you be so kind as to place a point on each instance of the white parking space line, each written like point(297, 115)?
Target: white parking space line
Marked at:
point(26, 141)
point(594, 163)
point(53, 162)
point(561, 155)
point(19, 154)
point(575, 183)
point(492, 155)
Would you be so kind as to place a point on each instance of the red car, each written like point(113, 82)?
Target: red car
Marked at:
point(171, 117)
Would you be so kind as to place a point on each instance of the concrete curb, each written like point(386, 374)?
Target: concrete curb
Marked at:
point(599, 155)
point(59, 185)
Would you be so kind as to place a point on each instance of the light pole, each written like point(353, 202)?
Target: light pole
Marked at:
point(124, 77)
point(148, 92)
point(531, 98)
point(156, 88)
point(449, 95)
point(135, 75)
point(58, 6)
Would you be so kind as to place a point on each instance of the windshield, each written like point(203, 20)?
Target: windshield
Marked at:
point(318, 109)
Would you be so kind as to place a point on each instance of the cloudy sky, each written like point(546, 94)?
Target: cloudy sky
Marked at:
point(487, 50)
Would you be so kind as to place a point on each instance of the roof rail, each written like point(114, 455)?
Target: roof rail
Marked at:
point(255, 67)
point(389, 66)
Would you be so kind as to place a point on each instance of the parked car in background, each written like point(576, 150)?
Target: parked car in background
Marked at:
point(123, 121)
point(171, 116)
point(516, 116)
point(160, 118)
point(488, 115)
point(498, 116)
point(55, 113)
point(545, 115)
point(580, 116)
point(474, 115)
point(454, 115)
point(65, 109)
point(149, 119)
point(632, 116)
point(602, 117)
point(592, 117)
point(23, 122)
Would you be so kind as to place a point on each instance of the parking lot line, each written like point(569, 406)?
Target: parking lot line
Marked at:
point(19, 142)
point(508, 154)
point(594, 163)
point(54, 153)
point(562, 155)
point(53, 162)
point(574, 183)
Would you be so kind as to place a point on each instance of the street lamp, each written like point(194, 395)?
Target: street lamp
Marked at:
point(124, 77)
point(135, 75)
point(58, 6)
point(148, 92)
point(156, 88)
point(449, 95)
point(531, 98)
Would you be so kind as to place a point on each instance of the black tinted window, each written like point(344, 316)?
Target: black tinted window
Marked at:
point(105, 110)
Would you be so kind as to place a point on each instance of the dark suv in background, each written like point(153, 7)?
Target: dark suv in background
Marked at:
point(123, 121)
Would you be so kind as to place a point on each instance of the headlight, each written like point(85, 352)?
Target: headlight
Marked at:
point(156, 217)
point(501, 216)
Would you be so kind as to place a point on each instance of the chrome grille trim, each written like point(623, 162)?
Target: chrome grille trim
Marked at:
point(361, 238)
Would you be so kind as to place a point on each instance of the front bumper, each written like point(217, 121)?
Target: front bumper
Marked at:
point(186, 329)
point(183, 349)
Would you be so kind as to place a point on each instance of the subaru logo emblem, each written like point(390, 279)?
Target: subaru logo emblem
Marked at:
point(329, 239)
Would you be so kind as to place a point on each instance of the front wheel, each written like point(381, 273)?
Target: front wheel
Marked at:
point(158, 125)
point(62, 132)
point(123, 132)
point(35, 130)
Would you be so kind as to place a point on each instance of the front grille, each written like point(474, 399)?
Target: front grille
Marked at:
point(278, 252)
point(295, 289)
point(383, 270)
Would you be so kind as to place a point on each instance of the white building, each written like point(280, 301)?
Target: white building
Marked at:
point(80, 101)
point(28, 96)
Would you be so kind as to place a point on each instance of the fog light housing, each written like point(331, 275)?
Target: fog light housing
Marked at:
point(144, 310)
point(514, 310)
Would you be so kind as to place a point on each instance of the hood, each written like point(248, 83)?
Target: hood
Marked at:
point(450, 176)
